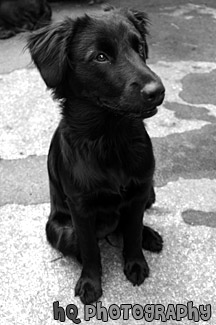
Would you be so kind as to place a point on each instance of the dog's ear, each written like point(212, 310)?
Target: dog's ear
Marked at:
point(140, 21)
point(48, 47)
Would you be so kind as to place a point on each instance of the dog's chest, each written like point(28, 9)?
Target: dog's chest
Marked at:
point(114, 167)
point(118, 180)
point(132, 162)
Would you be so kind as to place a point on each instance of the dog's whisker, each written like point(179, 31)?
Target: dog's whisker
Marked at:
point(57, 259)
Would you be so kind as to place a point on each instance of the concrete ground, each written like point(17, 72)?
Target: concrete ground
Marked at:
point(182, 52)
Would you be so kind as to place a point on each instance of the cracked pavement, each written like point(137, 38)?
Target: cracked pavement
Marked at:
point(182, 52)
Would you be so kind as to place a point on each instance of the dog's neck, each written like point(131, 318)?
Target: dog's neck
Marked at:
point(87, 120)
point(113, 140)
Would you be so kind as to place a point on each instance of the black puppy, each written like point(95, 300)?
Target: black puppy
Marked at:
point(100, 162)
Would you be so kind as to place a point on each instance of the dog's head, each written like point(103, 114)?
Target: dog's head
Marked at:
point(101, 58)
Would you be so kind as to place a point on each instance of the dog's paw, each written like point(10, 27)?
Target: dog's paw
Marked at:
point(151, 241)
point(89, 290)
point(136, 271)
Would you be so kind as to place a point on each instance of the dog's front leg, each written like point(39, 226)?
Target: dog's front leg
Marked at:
point(135, 266)
point(88, 286)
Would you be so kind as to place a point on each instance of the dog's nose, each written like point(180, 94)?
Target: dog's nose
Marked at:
point(153, 92)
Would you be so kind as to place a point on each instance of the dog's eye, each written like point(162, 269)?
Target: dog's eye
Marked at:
point(101, 57)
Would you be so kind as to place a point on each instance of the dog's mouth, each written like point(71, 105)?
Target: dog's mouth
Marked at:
point(149, 113)
point(142, 113)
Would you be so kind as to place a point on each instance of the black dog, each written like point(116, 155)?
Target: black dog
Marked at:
point(18, 16)
point(100, 162)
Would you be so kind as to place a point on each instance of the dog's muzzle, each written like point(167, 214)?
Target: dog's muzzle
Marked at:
point(153, 94)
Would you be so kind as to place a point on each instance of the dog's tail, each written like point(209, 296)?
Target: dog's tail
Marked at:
point(62, 236)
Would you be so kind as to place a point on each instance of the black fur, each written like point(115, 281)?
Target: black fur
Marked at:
point(18, 16)
point(101, 162)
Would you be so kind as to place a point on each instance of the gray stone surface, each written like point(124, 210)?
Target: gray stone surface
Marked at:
point(33, 275)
